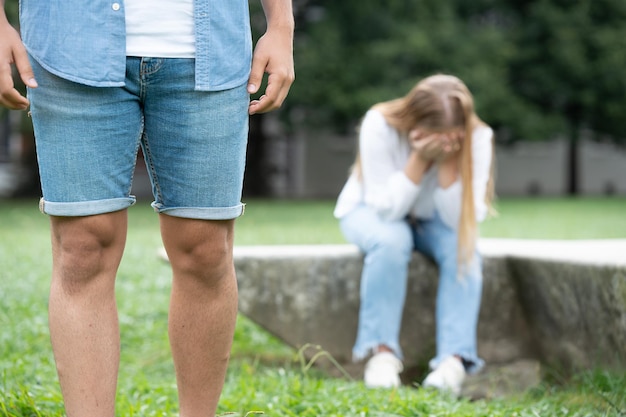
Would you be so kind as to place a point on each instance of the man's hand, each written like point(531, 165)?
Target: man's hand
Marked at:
point(12, 52)
point(273, 55)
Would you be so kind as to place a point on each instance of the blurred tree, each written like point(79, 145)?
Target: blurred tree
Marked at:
point(571, 65)
point(11, 8)
point(352, 54)
point(538, 69)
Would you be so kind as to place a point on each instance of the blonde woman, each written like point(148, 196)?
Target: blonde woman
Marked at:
point(422, 180)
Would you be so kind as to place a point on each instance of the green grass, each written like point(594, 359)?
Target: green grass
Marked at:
point(558, 218)
point(263, 375)
point(312, 222)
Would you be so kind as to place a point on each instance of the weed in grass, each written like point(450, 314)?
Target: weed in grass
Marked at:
point(305, 365)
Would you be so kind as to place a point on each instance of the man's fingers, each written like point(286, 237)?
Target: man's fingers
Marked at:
point(254, 82)
point(13, 100)
point(277, 89)
point(272, 56)
point(13, 53)
point(23, 68)
point(9, 96)
point(259, 65)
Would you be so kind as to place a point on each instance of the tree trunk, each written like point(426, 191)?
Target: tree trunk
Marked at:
point(255, 179)
point(573, 165)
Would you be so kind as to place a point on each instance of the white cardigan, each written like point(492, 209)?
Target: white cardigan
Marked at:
point(386, 188)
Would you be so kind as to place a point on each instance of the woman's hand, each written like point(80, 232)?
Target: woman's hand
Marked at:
point(452, 144)
point(435, 146)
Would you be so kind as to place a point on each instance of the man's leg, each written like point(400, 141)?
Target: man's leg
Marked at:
point(203, 308)
point(83, 315)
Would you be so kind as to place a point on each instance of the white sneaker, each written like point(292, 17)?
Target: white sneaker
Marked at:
point(383, 371)
point(448, 376)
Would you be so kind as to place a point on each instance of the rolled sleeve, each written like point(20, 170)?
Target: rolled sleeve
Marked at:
point(395, 198)
point(383, 155)
point(482, 152)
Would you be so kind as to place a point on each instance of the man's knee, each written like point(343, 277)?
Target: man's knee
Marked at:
point(204, 258)
point(199, 249)
point(85, 249)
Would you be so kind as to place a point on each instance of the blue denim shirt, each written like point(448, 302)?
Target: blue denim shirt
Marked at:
point(85, 41)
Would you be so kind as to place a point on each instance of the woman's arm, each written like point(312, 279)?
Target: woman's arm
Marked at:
point(423, 150)
point(388, 187)
point(441, 149)
point(482, 158)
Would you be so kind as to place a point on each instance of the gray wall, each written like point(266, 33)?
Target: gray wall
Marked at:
point(315, 164)
point(523, 169)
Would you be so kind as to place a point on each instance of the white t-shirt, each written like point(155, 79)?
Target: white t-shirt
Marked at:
point(385, 187)
point(160, 28)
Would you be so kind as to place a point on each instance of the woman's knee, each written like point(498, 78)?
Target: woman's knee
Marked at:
point(390, 249)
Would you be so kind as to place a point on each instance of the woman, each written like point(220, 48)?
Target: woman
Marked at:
point(422, 181)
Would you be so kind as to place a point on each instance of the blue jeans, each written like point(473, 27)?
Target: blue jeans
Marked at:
point(194, 142)
point(388, 247)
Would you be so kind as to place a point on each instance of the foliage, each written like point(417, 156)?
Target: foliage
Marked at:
point(350, 55)
point(537, 68)
point(571, 62)
point(11, 8)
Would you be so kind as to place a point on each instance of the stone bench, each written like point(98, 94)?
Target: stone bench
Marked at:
point(561, 303)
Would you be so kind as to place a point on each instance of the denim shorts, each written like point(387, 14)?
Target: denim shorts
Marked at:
point(194, 142)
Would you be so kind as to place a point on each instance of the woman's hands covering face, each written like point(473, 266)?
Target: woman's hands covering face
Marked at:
point(435, 146)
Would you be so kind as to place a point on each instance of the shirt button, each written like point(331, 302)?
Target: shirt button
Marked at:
point(115, 6)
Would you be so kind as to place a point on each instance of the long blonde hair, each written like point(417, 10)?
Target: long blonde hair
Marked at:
point(442, 103)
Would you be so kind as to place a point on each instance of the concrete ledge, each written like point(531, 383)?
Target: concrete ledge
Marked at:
point(607, 252)
point(561, 303)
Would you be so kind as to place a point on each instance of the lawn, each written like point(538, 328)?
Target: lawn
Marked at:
point(312, 222)
point(265, 375)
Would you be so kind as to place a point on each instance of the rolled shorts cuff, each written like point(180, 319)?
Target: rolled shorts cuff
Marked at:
point(85, 208)
point(202, 213)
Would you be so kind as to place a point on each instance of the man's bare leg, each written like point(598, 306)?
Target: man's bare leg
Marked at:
point(84, 328)
point(203, 308)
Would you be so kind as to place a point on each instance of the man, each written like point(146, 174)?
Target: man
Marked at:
point(105, 77)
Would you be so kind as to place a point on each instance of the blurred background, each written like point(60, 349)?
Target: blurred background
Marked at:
point(548, 75)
